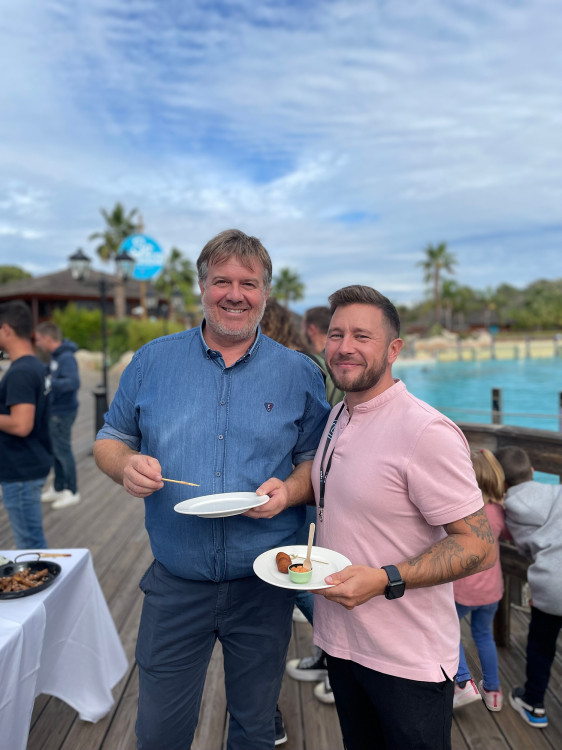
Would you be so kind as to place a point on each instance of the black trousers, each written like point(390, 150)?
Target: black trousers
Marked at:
point(541, 649)
point(381, 712)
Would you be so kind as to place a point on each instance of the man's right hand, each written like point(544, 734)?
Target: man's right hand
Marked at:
point(142, 475)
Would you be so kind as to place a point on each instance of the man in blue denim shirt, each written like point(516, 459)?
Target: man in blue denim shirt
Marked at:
point(231, 410)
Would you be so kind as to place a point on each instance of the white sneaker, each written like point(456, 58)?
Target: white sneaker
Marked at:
point(309, 668)
point(51, 495)
point(323, 691)
point(68, 498)
point(465, 695)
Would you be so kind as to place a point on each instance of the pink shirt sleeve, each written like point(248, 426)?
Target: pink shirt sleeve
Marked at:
point(440, 476)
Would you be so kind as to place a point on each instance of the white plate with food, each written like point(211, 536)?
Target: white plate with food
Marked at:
point(324, 562)
point(221, 505)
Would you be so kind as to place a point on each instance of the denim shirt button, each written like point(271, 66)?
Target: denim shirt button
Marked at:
point(220, 437)
point(218, 474)
point(223, 403)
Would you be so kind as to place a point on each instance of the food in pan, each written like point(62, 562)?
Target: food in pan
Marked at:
point(23, 580)
point(283, 561)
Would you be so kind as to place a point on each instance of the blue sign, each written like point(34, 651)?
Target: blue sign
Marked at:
point(149, 257)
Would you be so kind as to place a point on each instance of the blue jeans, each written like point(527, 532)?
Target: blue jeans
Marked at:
point(305, 599)
point(180, 623)
point(60, 426)
point(481, 621)
point(23, 504)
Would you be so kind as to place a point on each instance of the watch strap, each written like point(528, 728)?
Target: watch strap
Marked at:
point(396, 586)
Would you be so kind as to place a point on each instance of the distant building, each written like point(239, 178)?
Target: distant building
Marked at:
point(44, 294)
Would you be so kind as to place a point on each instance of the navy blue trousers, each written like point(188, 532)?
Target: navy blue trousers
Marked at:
point(180, 623)
point(541, 650)
point(381, 712)
point(60, 429)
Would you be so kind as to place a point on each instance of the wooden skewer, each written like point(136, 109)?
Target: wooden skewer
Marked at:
point(55, 554)
point(179, 481)
point(300, 557)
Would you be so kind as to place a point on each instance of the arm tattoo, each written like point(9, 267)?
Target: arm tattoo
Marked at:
point(446, 561)
point(479, 525)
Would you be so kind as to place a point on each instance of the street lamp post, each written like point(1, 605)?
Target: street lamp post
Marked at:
point(164, 313)
point(80, 265)
point(178, 302)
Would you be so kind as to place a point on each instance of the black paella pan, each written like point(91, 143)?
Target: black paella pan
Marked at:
point(34, 566)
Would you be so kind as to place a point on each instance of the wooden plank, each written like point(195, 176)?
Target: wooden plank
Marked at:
point(507, 723)
point(212, 727)
point(121, 733)
point(543, 446)
point(320, 720)
point(289, 699)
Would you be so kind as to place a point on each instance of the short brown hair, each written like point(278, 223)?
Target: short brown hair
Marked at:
point(17, 315)
point(49, 329)
point(516, 465)
point(319, 317)
point(233, 242)
point(357, 294)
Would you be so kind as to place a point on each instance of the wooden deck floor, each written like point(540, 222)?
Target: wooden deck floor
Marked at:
point(111, 524)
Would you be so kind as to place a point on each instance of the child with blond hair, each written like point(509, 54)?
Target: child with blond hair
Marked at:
point(480, 594)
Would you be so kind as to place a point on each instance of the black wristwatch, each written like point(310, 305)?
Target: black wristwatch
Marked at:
point(396, 586)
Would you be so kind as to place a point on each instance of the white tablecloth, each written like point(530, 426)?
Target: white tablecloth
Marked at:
point(61, 641)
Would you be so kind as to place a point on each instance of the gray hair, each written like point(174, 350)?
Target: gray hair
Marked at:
point(233, 242)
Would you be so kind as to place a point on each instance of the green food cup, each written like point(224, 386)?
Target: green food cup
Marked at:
point(297, 577)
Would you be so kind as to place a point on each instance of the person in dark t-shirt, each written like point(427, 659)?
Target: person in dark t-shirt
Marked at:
point(25, 446)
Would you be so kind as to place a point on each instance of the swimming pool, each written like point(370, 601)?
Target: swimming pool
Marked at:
point(462, 390)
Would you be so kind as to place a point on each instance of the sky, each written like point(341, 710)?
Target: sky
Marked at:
point(347, 135)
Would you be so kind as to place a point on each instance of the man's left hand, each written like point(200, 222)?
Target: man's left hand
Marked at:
point(278, 499)
point(354, 585)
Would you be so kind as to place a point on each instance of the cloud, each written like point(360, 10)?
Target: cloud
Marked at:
point(347, 135)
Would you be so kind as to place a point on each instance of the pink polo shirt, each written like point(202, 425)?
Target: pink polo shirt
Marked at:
point(400, 471)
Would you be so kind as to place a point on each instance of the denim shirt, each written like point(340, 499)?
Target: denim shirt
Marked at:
point(227, 429)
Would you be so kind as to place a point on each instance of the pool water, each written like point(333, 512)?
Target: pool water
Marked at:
point(463, 390)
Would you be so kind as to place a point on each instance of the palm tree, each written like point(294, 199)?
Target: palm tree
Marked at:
point(119, 225)
point(449, 290)
point(438, 259)
point(178, 273)
point(287, 286)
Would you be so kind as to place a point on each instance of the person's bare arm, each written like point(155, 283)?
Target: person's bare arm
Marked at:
point(295, 490)
point(140, 475)
point(468, 548)
point(19, 421)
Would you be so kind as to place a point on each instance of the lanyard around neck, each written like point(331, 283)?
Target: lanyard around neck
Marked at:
point(324, 474)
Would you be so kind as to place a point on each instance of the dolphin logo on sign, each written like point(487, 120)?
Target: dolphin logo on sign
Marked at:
point(147, 254)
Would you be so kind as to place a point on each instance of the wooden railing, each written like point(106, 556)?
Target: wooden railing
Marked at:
point(545, 451)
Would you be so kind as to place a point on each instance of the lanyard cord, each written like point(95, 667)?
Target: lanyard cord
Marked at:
point(324, 474)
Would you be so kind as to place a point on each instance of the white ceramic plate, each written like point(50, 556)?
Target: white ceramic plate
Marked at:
point(221, 505)
point(324, 562)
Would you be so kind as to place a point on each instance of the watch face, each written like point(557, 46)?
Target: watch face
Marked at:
point(395, 590)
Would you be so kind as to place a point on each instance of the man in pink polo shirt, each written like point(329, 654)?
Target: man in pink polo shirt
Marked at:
point(396, 494)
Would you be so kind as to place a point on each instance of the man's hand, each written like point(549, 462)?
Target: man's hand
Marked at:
point(278, 499)
point(354, 585)
point(295, 490)
point(142, 475)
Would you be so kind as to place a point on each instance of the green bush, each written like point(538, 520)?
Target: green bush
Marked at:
point(127, 334)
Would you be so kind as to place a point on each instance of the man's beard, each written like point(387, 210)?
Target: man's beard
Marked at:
point(364, 381)
point(235, 333)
